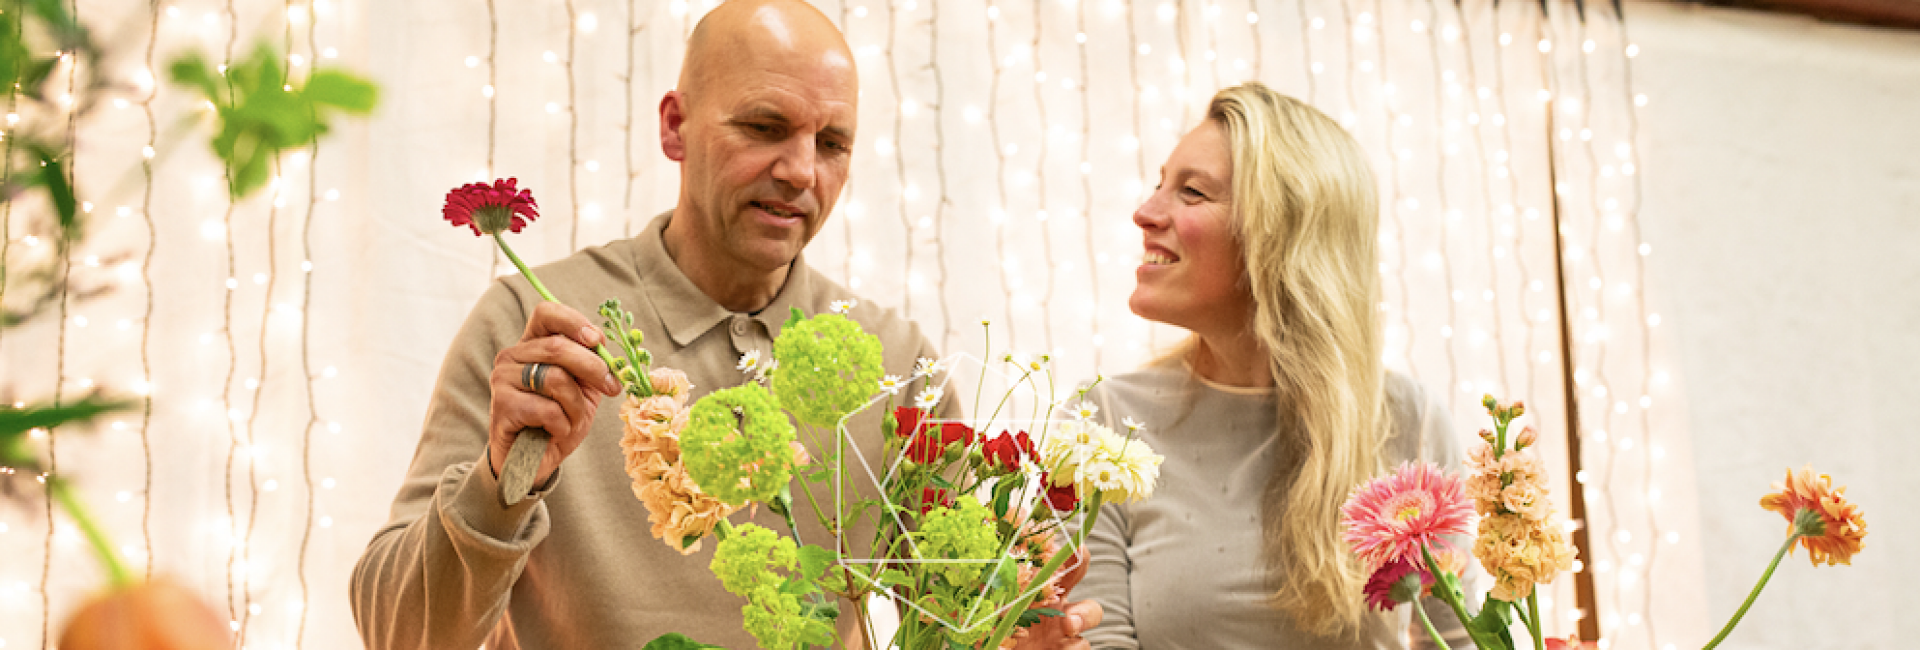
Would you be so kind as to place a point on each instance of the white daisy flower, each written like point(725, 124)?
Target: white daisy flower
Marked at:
point(891, 384)
point(843, 306)
point(927, 366)
point(1131, 424)
point(1028, 362)
point(927, 398)
point(1085, 410)
point(750, 361)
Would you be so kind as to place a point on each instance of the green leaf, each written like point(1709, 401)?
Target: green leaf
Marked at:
point(895, 578)
point(814, 561)
point(690, 540)
point(1489, 629)
point(192, 71)
point(677, 641)
point(940, 482)
point(794, 318)
point(15, 423)
point(1033, 616)
point(346, 92)
point(53, 176)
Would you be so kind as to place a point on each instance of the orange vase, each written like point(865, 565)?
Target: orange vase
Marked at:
point(157, 615)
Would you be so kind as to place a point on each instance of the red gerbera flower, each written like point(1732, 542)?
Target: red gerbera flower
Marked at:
point(489, 209)
point(1380, 587)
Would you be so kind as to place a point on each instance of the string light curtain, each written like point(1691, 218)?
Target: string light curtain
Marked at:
point(286, 345)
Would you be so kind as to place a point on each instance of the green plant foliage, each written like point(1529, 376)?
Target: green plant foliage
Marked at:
point(262, 114)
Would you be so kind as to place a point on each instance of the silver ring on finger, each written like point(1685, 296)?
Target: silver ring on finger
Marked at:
point(534, 376)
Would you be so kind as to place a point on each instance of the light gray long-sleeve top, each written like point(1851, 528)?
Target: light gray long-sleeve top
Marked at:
point(1183, 568)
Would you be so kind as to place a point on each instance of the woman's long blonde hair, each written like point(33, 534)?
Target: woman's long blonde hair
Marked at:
point(1306, 214)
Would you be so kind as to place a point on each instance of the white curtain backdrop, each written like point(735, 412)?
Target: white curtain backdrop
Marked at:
point(288, 343)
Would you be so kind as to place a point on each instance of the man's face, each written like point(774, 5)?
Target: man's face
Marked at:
point(767, 146)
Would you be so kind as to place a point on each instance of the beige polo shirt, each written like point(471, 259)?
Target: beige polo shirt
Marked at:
point(576, 567)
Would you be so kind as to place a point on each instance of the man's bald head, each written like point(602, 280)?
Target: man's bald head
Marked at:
point(762, 35)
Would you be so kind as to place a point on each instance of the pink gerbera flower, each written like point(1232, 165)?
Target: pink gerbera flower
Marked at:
point(1392, 517)
point(489, 209)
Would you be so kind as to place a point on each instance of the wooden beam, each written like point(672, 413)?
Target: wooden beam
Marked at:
point(1897, 14)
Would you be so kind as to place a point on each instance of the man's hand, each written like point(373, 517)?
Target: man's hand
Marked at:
point(1064, 631)
point(560, 394)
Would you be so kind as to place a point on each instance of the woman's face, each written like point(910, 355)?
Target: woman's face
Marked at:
point(1192, 273)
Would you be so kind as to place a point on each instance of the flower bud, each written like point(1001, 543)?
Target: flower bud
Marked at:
point(1487, 435)
point(634, 336)
point(1519, 408)
point(1527, 437)
point(619, 363)
point(1488, 401)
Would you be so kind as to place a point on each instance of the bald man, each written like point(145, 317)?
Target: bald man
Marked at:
point(762, 124)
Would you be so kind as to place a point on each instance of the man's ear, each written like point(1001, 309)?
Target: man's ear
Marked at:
point(673, 115)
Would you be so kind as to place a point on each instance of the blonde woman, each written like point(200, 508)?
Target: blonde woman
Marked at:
point(1261, 241)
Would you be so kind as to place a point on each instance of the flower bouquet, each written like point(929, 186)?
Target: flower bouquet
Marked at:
point(969, 525)
point(1395, 525)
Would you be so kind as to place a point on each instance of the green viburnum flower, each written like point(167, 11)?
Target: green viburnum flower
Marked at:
point(737, 445)
point(749, 563)
point(745, 560)
point(964, 531)
point(828, 367)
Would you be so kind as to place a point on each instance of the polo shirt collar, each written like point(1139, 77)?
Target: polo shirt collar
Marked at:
point(684, 310)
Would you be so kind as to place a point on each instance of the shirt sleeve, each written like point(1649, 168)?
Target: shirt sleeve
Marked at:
point(1109, 580)
point(440, 573)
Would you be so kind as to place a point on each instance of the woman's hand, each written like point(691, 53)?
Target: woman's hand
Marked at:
point(1064, 631)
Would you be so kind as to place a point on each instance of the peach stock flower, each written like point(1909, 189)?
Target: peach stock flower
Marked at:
point(1842, 527)
point(676, 506)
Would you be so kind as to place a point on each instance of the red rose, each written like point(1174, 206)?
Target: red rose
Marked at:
point(1005, 451)
point(909, 418)
point(931, 497)
point(1061, 498)
point(932, 441)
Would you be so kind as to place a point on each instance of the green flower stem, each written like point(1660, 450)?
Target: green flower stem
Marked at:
point(1046, 573)
point(1755, 593)
point(527, 273)
point(1422, 613)
point(1448, 595)
point(116, 573)
point(1533, 614)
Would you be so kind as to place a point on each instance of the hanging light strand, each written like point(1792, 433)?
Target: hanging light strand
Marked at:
point(306, 336)
point(1002, 216)
point(1440, 186)
point(1086, 183)
point(1486, 194)
point(940, 175)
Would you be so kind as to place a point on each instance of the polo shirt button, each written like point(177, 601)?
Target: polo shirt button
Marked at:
point(740, 326)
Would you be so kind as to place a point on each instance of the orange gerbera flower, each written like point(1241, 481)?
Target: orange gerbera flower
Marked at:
point(1833, 529)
